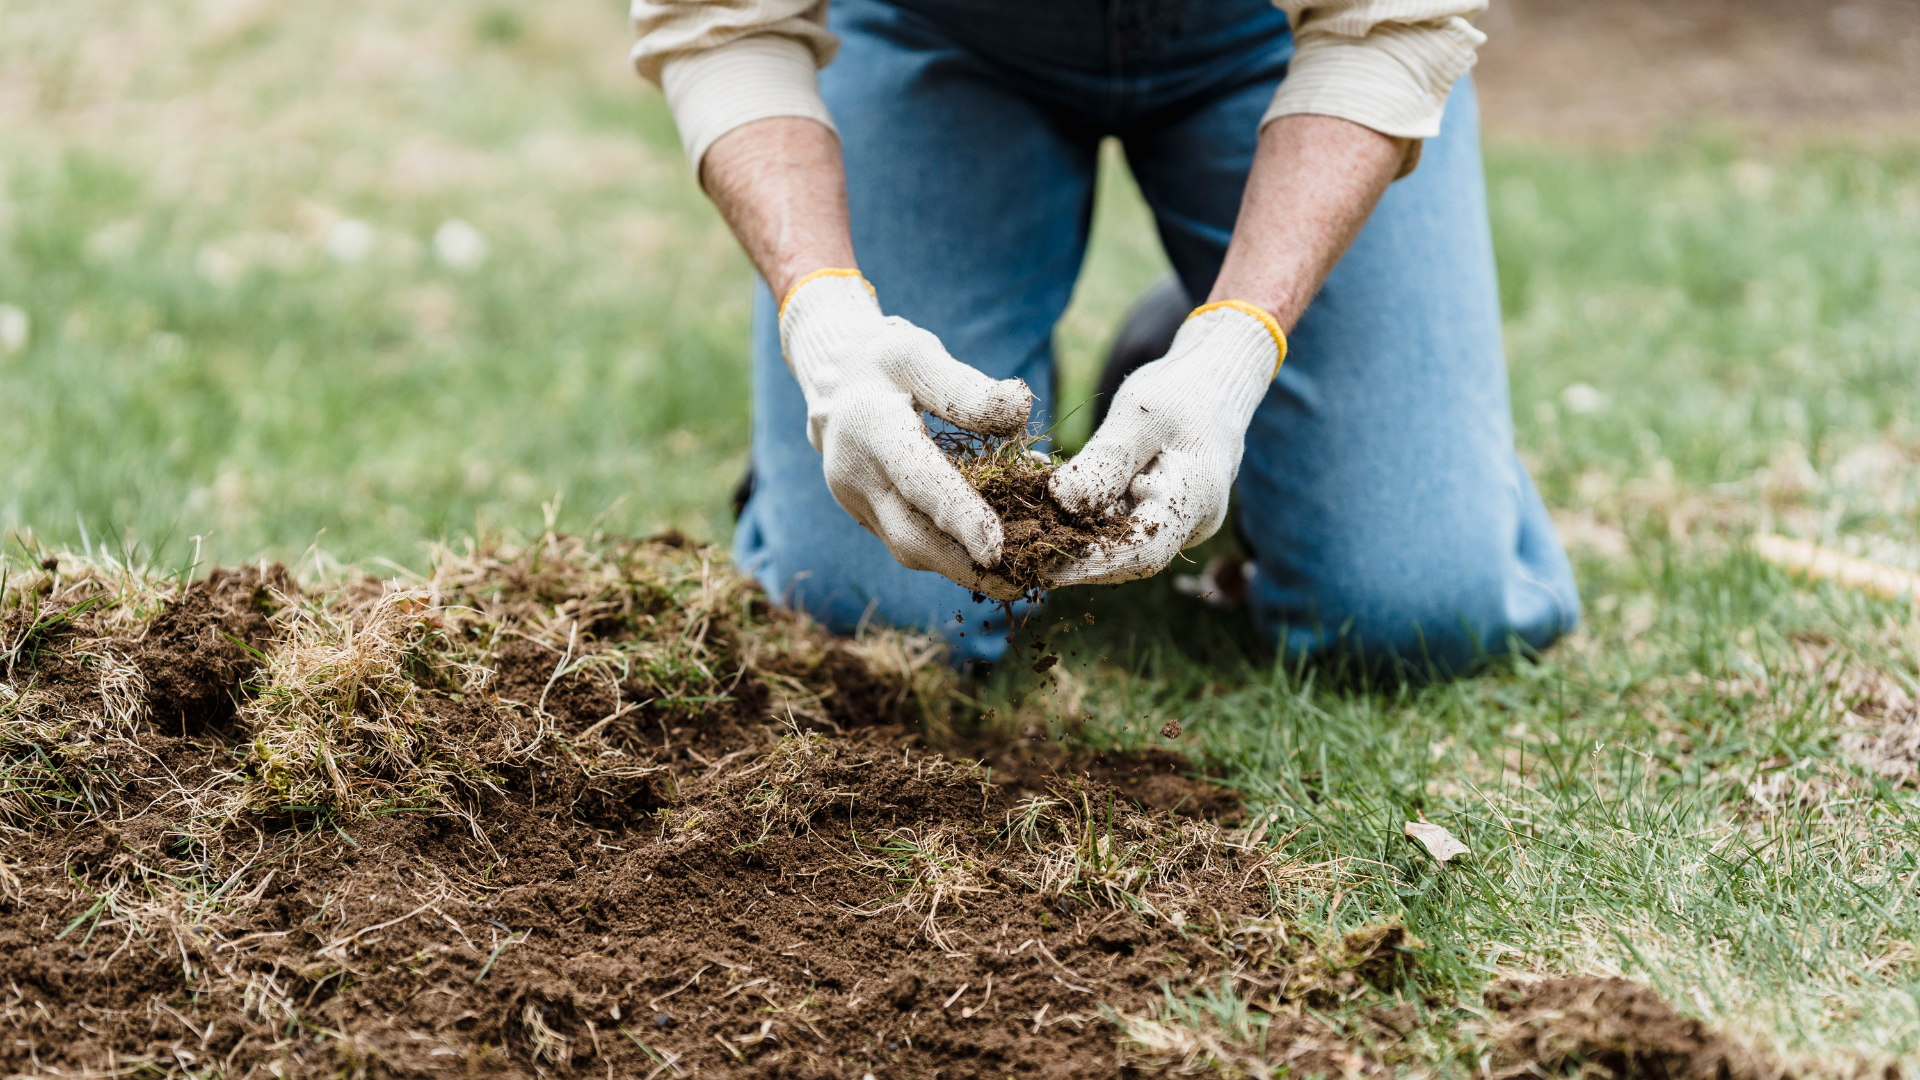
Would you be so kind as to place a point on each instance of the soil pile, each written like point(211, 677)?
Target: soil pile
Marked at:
point(1587, 1024)
point(589, 808)
point(1040, 534)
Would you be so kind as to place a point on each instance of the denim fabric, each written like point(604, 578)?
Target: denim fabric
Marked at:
point(1380, 486)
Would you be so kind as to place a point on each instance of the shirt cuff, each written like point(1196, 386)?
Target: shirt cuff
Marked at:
point(1394, 80)
point(716, 90)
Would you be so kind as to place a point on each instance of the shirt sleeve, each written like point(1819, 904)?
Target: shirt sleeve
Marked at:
point(724, 63)
point(1385, 64)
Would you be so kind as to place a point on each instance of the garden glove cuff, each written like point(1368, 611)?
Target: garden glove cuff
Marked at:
point(1171, 443)
point(867, 378)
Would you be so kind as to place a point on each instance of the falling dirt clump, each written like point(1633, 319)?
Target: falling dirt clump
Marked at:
point(1040, 535)
point(584, 807)
point(1609, 1026)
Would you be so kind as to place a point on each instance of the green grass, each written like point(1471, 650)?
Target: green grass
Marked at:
point(200, 364)
point(1604, 791)
point(1707, 338)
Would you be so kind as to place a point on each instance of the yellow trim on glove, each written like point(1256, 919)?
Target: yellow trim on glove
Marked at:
point(830, 271)
point(1241, 306)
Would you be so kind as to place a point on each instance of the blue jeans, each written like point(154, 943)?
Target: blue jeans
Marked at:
point(1380, 486)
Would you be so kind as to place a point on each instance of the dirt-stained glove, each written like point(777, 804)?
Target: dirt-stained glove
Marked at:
point(867, 378)
point(1171, 443)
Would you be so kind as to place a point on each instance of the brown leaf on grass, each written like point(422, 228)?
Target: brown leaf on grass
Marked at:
point(1439, 843)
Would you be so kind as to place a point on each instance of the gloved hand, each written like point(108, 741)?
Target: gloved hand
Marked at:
point(867, 378)
point(1171, 443)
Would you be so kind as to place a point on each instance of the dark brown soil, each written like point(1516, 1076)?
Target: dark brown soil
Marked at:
point(1041, 535)
point(771, 877)
point(1588, 1024)
point(195, 653)
point(1156, 779)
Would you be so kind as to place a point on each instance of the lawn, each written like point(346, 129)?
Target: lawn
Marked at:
point(289, 284)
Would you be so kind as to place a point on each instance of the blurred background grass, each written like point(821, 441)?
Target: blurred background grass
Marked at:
point(219, 222)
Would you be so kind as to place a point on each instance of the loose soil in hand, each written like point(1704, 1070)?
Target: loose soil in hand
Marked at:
point(1040, 534)
point(591, 809)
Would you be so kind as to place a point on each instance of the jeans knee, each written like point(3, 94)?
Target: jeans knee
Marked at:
point(1439, 615)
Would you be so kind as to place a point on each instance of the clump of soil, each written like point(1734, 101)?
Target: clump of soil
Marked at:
point(1585, 1024)
point(586, 808)
point(1040, 534)
point(198, 646)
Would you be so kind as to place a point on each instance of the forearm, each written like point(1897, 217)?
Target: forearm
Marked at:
point(782, 188)
point(1314, 181)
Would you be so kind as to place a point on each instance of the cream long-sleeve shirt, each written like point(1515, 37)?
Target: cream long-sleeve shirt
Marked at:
point(1385, 64)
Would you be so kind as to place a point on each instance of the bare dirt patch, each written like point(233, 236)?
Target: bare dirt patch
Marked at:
point(1592, 1025)
point(1156, 779)
point(587, 809)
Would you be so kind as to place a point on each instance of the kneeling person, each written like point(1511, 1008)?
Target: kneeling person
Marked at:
point(1317, 151)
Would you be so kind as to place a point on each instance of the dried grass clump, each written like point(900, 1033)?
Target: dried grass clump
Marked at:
point(81, 612)
point(669, 631)
point(931, 870)
point(1101, 850)
point(988, 461)
point(37, 752)
point(337, 718)
point(55, 588)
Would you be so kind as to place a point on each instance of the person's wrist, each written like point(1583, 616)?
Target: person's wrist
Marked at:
point(1245, 335)
point(821, 316)
point(852, 286)
point(798, 272)
point(1278, 300)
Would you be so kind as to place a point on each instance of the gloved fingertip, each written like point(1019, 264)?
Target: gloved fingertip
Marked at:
point(1078, 486)
point(983, 543)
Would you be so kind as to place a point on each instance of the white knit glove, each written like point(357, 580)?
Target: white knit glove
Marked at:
point(867, 379)
point(1171, 443)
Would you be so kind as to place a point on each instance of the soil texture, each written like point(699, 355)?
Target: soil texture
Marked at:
point(1041, 535)
point(1156, 779)
point(1609, 1026)
point(590, 810)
